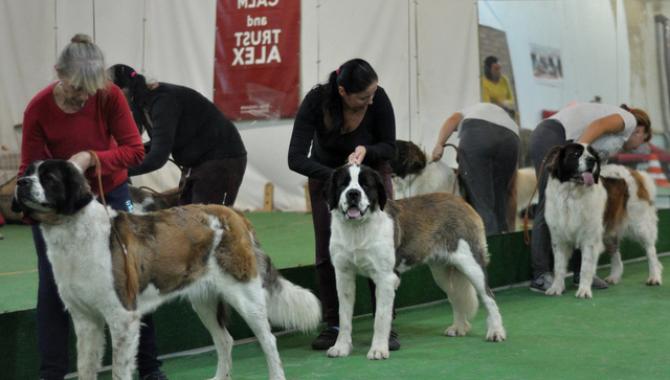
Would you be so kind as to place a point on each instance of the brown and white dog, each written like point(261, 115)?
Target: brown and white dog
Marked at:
point(378, 237)
point(592, 208)
point(113, 267)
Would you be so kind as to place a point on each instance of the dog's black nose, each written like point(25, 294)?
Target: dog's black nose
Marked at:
point(22, 181)
point(353, 196)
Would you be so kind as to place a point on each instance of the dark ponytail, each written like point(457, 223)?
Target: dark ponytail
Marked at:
point(642, 119)
point(354, 76)
point(136, 85)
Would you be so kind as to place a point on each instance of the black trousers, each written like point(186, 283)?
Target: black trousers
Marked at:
point(487, 161)
point(324, 268)
point(53, 322)
point(213, 181)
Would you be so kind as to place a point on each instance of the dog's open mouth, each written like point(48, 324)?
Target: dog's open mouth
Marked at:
point(585, 178)
point(354, 213)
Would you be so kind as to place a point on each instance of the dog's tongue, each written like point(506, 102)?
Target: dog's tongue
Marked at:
point(587, 178)
point(353, 213)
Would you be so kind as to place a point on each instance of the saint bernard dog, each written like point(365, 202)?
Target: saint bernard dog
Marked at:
point(593, 208)
point(380, 238)
point(112, 267)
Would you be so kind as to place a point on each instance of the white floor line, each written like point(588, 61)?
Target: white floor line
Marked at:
point(206, 349)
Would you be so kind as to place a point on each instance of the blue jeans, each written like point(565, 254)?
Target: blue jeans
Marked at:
point(53, 325)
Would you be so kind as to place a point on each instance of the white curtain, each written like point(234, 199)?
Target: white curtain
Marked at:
point(425, 52)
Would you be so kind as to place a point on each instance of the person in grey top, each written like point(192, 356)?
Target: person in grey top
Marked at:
point(488, 152)
point(608, 129)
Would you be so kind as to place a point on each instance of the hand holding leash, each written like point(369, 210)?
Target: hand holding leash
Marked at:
point(438, 151)
point(83, 160)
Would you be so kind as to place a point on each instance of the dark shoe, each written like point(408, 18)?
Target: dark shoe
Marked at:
point(598, 283)
point(326, 339)
point(394, 342)
point(542, 282)
point(155, 375)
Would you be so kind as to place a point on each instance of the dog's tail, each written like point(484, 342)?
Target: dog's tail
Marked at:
point(288, 305)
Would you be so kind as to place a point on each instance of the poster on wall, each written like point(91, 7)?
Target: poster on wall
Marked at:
point(257, 62)
point(547, 65)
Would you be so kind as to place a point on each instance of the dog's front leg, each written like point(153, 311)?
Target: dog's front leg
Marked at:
point(590, 255)
point(90, 344)
point(386, 285)
point(124, 328)
point(562, 253)
point(345, 278)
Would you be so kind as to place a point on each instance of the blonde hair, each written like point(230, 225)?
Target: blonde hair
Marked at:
point(83, 64)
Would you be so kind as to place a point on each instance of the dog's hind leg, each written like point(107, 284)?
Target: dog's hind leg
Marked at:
point(124, 328)
point(207, 306)
point(90, 344)
point(345, 281)
point(655, 266)
point(616, 267)
point(465, 262)
point(462, 296)
point(248, 298)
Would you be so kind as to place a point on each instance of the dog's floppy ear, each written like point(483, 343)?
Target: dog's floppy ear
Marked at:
point(381, 189)
point(552, 161)
point(331, 189)
point(77, 191)
point(596, 172)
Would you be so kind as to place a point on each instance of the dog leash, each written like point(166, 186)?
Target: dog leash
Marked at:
point(131, 286)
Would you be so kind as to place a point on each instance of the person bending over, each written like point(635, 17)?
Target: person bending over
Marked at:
point(182, 122)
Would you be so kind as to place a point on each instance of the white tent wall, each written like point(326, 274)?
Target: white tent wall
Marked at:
point(645, 81)
point(593, 49)
point(425, 53)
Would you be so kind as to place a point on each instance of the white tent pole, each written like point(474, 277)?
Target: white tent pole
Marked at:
point(93, 12)
point(55, 30)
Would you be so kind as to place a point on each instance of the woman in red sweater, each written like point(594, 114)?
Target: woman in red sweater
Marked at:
point(81, 112)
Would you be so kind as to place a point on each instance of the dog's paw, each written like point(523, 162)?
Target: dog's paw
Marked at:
point(612, 279)
point(583, 292)
point(654, 280)
point(378, 353)
point(456, 330)
point(497, 334)
point(554, 290)
point(339, 350)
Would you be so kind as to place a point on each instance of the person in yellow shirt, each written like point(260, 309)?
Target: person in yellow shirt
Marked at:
point(496, 88)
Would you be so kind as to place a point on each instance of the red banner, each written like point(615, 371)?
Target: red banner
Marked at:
point(257, 61)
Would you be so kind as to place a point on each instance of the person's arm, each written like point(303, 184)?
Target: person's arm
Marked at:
point(304, 128)
point(164, 116)
point(486, 96)
point(384, 130)
point(509, 99)
point(129, 150)
point(33, 141)
point(447, 129)
point(610, 124)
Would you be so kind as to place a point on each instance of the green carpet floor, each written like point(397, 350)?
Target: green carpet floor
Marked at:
point(287, 237)
point(622, 333)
